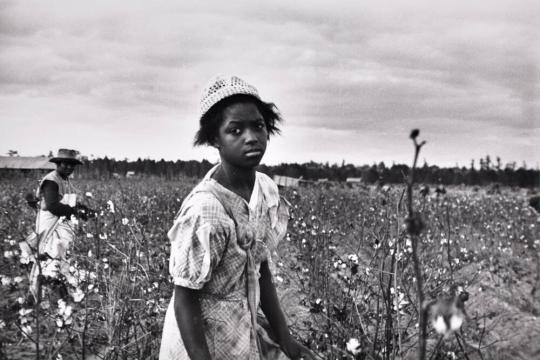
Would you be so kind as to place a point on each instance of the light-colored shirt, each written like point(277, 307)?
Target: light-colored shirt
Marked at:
point(58, 232)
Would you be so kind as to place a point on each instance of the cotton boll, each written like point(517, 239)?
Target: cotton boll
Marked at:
point(354, 346)
point(440, 325)
point(455, 322)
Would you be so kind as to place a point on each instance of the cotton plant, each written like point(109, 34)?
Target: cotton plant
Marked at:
point(353, 346)
point(26, 321)
point(400, 301)
point(64, 314)
point(447, 313)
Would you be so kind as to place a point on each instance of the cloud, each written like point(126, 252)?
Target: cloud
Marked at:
point(377, 68)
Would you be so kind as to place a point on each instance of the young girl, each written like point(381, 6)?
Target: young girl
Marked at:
point(222, 238)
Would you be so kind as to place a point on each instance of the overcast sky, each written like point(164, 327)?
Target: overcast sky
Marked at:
point(351, 78)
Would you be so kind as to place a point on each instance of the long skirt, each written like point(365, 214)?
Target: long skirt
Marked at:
point(53, 237)
point(223, 322)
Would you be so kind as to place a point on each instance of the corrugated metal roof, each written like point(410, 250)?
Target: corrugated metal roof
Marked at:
point(26, 162)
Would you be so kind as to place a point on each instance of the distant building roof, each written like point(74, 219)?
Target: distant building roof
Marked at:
point(286, 181)
point(354, 180)
point(26, 163)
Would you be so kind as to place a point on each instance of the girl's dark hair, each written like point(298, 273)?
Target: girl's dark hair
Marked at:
point(212, 119)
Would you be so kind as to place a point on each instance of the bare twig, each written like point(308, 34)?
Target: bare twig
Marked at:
point(397, 251)
point(414, 227)
point(461, 346)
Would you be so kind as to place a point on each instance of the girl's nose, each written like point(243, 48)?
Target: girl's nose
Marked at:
point(251, 136)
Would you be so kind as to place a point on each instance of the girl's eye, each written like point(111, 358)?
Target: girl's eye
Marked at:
point(236, 131)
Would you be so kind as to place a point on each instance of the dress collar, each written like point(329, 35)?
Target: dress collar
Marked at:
point(255, 193)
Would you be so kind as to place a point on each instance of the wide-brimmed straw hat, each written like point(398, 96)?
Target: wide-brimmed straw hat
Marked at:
point(66, 155)
point(221, 87)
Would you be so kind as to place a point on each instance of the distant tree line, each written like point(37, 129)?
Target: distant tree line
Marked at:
point(106, 168)
point(488, 173)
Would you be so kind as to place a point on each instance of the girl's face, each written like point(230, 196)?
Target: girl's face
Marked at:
point(242, 135)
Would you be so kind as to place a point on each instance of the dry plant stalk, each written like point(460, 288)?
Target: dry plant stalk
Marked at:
point(414, 228)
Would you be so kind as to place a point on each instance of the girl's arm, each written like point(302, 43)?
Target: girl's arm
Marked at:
point(271, 308)
point(187, 310)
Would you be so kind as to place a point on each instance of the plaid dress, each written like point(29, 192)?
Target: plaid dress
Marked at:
point(214, 236)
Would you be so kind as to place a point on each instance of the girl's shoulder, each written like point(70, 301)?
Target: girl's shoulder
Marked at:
point(266, 180)
point(269, 189)
point(202, 203)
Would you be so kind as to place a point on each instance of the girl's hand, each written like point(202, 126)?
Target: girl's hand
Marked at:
point(296, 351)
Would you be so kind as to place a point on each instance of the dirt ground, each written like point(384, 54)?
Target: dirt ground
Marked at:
point(501, 302)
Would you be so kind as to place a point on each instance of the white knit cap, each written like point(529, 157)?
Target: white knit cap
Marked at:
point(222, 87)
